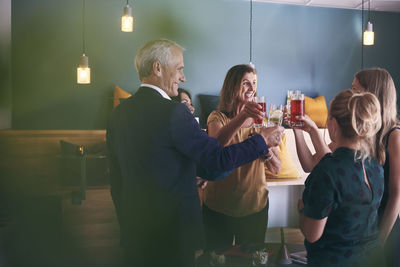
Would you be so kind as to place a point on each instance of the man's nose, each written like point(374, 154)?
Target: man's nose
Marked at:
point(183, 78)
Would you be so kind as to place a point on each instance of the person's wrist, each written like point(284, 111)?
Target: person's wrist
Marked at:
point(242, 118)
point(268, 156)
point(313, 131)
point(297, 131)
point(313, 126)
point(266, 140)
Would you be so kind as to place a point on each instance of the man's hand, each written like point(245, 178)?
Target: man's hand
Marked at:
point(272, 135)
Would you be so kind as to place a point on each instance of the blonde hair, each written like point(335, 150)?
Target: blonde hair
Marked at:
point(358, 117)
point(379, 82)
point(231, 88)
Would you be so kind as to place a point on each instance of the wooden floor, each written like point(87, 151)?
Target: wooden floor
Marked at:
point(91, 233)
point(95, 231)
point(93, 228)
point(51, 231)
point(292, 235)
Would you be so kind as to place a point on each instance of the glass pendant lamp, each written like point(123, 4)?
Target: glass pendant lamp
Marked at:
point(368, 36)
point(127, 19)
point(83, 71)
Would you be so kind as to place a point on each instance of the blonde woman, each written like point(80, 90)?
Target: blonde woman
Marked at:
point(379, 82)
point(339, 208)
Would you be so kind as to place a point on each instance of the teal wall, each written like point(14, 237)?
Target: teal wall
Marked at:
point(316, 50)
point(5, 64)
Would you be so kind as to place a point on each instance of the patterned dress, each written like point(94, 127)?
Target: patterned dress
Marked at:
point(336, 189)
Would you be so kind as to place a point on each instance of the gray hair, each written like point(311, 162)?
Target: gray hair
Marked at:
point(152, 51)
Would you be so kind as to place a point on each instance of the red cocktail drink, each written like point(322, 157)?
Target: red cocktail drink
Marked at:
point(296, 109)
point(260, 100)
point(263, 109)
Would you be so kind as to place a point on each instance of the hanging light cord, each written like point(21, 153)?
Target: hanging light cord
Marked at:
point(362, 34)
point(369, 6)
point(83, 27)
point(127, 2)
point(251, 26)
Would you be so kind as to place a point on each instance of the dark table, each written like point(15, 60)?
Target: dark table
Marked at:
point(79, 196)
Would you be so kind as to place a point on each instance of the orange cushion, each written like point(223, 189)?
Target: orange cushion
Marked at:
point(118, 94)
point(316, 109)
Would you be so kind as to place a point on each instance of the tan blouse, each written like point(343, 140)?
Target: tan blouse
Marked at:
point(244, 191)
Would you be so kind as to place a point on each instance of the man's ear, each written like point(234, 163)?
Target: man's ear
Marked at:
point(157, 68)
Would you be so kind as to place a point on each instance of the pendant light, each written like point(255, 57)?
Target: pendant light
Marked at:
point(127, 19)
point(368, 36)
point(251, 34)
point(83, 71)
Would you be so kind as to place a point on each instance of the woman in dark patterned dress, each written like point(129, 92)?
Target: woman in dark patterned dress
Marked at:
point(379, 82)
point(339, 209)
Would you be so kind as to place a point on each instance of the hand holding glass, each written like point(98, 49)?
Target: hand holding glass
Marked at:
point(275, 115)
point(258, 123)
point(297, 109)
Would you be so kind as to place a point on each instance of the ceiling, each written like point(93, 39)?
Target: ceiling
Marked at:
point(376, 5)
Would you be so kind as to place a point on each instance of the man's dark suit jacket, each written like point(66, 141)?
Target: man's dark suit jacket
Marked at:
point(154, 145)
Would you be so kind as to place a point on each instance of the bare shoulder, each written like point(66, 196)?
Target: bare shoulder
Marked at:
point(394, 136)
point(394, 142)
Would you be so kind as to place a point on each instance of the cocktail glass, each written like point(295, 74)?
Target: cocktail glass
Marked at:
point(258, 123)
point(297, 109)
point(275, 115)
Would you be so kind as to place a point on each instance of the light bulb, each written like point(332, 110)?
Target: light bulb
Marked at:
point(368, 36)
point(83, 75)
point(127, 20)
point(83, 71)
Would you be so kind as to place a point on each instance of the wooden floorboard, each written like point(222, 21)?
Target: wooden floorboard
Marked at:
point(90, 234)
point(292, 235)
point(93, 229)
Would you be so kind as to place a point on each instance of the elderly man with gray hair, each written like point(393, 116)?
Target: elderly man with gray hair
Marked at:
point(154, 147)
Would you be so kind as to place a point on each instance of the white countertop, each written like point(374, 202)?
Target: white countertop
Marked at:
point(285, 181)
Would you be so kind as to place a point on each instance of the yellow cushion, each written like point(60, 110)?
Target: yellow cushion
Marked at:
point(288, 169)
point(119, 93)
point(316, 109)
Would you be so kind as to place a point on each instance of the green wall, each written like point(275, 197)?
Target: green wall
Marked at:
point(316, 50)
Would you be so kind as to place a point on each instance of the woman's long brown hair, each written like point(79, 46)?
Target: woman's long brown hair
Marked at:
point(231, 89)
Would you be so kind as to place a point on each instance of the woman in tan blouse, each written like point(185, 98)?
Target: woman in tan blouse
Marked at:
point(236, 208)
